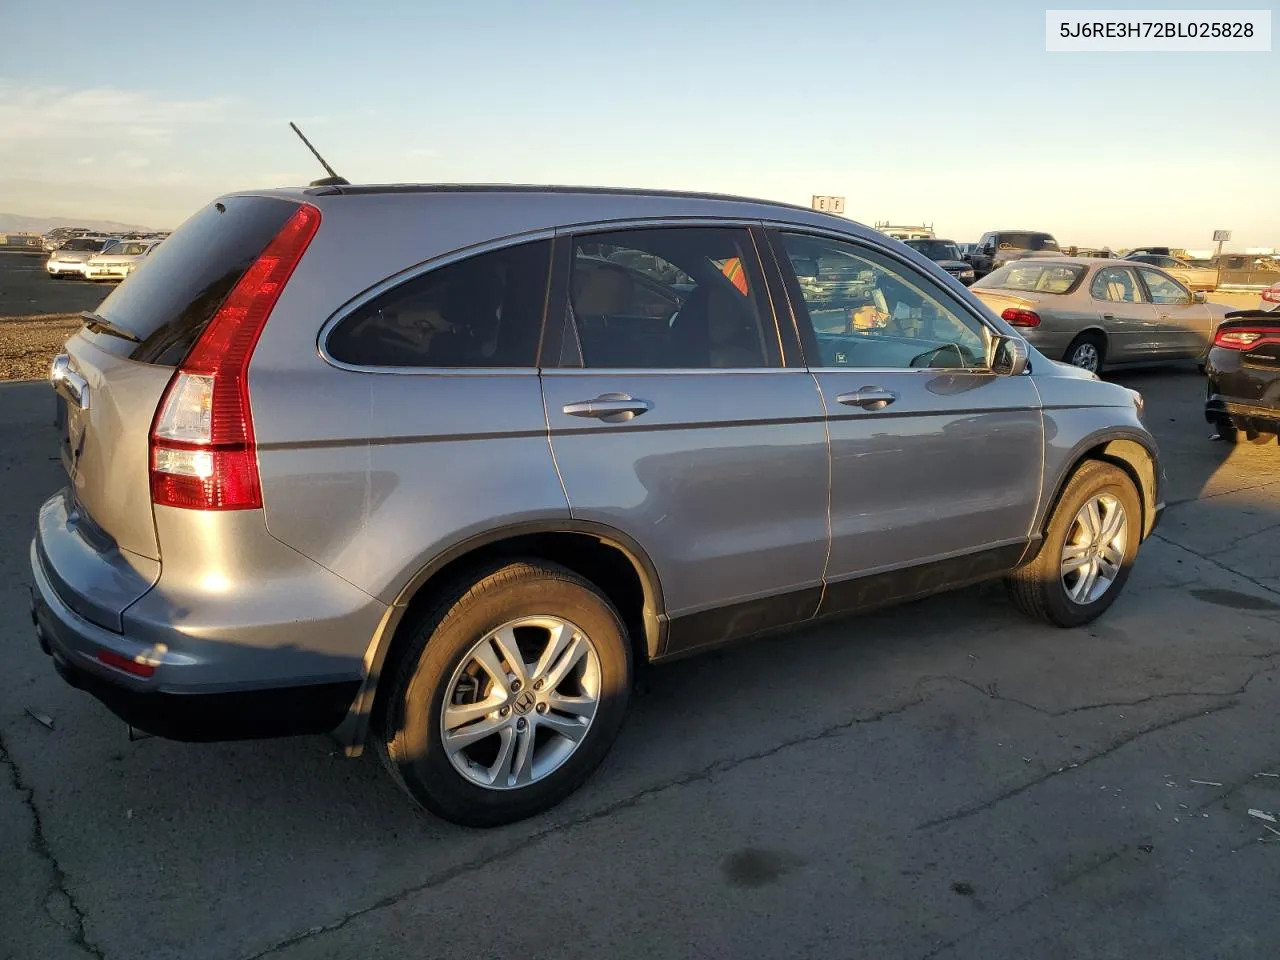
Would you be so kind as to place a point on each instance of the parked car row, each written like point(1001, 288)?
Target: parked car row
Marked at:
point(99, 257)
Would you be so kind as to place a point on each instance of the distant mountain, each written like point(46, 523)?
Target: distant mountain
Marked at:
point(14, 223)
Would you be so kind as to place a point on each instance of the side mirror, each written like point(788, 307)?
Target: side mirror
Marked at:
point(1199, 296)
point(1009, 357)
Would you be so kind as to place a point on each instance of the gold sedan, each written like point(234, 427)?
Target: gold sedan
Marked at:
point(1188, 274)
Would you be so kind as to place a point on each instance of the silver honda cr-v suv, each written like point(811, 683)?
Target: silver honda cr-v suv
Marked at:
point(437, 468)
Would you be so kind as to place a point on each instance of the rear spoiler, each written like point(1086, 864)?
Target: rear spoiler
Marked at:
point(1252, 315)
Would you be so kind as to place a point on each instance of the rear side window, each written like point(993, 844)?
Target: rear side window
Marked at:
point(485, 311)
point(1116, 285)
point(189, 275)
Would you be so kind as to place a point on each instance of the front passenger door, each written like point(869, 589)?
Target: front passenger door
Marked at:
point(935, 460)
point(1184, 325)
point(1127, 317)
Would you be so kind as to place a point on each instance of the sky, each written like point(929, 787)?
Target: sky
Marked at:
point(945, 113)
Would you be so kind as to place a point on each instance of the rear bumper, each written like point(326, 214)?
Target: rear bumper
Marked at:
point(1243, 416)
point(172, 711)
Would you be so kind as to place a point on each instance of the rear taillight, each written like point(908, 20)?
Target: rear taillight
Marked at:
point(1272, 294)
point(1016, 317)
point(1244, 338)
point(202, 446)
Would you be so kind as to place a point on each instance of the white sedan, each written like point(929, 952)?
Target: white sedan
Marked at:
point(120, 260)
point(70, 258)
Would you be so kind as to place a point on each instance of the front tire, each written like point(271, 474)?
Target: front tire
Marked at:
point(1088, 549)
point(509, 694)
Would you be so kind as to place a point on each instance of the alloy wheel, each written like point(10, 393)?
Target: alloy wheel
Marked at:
point(521, 702)
point(1094, 551)
point(1086, 357)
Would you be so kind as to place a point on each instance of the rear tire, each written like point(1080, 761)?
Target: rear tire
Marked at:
point(448, 668)
point(1052, 587)
point(1088, 352)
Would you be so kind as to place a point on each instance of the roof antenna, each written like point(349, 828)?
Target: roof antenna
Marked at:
point(332, 180)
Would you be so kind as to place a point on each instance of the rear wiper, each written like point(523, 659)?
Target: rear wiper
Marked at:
point(100, 324)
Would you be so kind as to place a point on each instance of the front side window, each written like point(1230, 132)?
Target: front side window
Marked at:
point(867, 310)
point(1116, 285)
point(1164, 289)
point(671, 298)
point(485, 311)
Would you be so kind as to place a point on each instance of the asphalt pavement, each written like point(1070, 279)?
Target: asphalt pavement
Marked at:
point(26, 288)
point(941, 780)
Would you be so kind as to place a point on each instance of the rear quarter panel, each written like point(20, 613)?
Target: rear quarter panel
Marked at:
point(374, 474)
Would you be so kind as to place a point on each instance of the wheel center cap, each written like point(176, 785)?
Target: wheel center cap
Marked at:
point(524, 702)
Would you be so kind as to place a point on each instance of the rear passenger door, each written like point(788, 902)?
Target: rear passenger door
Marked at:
point(675, 420)
point(935, 460)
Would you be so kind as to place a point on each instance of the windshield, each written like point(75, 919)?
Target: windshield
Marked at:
point(1027, 241)
point(1032, 277)
point(936, 249)
point(84, 245)
point(129, 249)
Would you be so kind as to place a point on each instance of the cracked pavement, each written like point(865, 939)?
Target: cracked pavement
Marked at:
point(940, 780)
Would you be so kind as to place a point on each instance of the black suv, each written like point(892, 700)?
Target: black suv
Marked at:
point(945, 254)
point(998, 247)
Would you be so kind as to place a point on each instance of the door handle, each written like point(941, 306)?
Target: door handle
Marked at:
point(1109, 317)
point(609, 407)
point(868, 398)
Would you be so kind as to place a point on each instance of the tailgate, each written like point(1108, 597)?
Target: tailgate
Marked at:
point(120, 368)
point(105, 441)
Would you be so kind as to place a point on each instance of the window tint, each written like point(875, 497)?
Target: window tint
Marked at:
point(485, 311)
point(686, 298)
point(1116, 285)
point(1027, 275)
point(866, 310)
point(1164, 289)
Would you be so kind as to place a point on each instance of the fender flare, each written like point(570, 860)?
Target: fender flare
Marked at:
point(352, 731)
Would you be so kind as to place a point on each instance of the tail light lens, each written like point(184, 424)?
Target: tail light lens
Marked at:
point(1016, 317)
point(1272, 294)
point(1244, 338)
point(203, 455)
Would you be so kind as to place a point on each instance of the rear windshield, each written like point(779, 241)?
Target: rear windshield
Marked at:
point(190, 274)
point(1031, 277)
point(1027, 241)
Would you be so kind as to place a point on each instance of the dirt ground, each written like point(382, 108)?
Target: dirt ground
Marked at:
point(29, 344)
